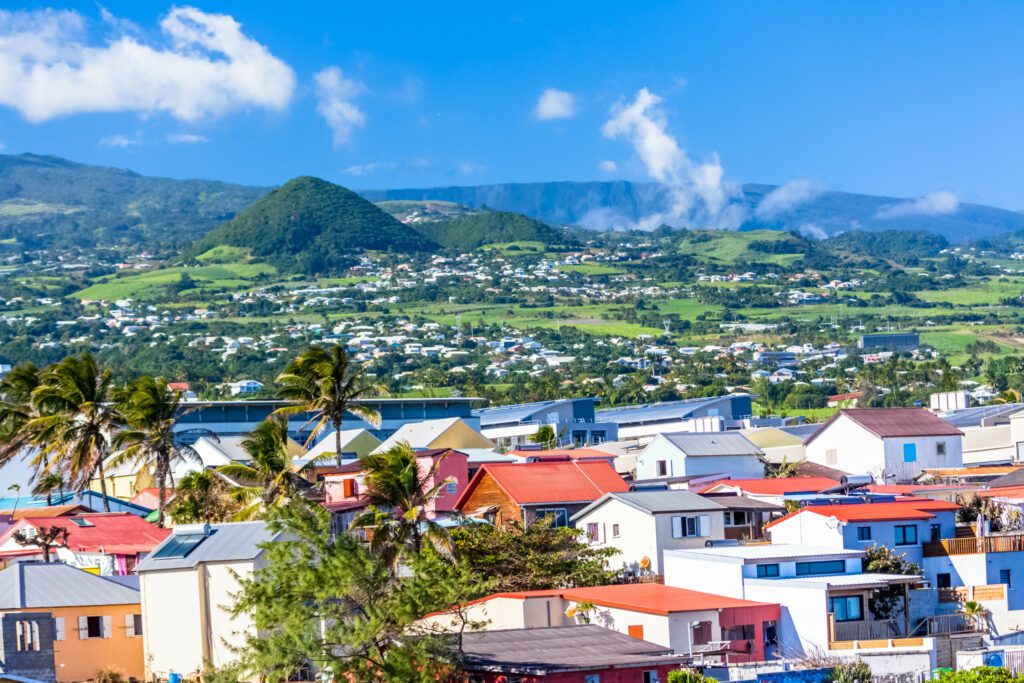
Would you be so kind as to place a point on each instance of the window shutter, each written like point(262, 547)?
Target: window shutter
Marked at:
point(677, 527)
point(129, 625)
point(83, 627)
point(58, 628)
point(108, 627)
point(705, 525)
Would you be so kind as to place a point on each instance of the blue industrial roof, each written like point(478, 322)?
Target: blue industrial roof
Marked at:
point(520, 411)
point(661, 412)
point(973, 417)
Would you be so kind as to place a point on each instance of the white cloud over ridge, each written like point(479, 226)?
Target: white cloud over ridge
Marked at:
point(608, 166)
point(186, 138)
point(372, 167)
point(335, 95)
point(785, 198)
point(119, 140)
point(555, 104)
point(208, 68)
point(697, 193)
point(931, 204)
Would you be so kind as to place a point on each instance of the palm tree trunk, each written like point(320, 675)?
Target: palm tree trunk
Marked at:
point(337, 440)
point(161, 482)
point(103, 486)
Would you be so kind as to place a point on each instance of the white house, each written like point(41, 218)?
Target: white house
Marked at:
point(187, 585)
point(824, 592)
point(641, 525)
point(893, 445)
point(686, 454)
point(245, 387)
point(903, 526)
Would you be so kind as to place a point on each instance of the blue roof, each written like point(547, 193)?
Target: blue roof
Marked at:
point(662, 412)
point(520, 411)
point(973, 417)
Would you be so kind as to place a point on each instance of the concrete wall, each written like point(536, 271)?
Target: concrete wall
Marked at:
point(679, 465)
point(803, 620)
point(720, 578)
point(35, 664)
point(637, 534)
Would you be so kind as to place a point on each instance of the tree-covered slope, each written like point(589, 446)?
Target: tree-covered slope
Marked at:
point(309, 225)
point(49, 201)
point(492, 227)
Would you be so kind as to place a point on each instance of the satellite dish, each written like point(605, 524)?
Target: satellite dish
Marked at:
point(832, 522)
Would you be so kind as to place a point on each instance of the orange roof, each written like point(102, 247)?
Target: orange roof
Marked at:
point(45, 512)
point(650, 598)
point(565, 454)
point(876, 512)
point(983, 470)
point(109, 532)
point(775, 487)
point(1003, 492)
point(909, 489)
point(570, 481)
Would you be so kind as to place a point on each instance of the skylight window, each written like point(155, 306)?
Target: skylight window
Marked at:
point(179, 546)
point(79, 521)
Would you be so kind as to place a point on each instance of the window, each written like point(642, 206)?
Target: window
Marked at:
point(615, 530)
point(744, 632)
point(662, 467)
point(767, 571)
point(27, 636)
point(936, 533)
point(594, 532)
point(451, 488)
point(831, 457)
point(863, 533)
point(1004, 577)
point(910, 452)
point(737, 518)
point(82, 522)
point(651, 677)
point(906, 534)
point(133, 625)
point(847, 608)
point(940, 449)
point(944, 580)
point(559, 516)
point(93, 627)
point(694, 526)
point(178, 546)
point(592, 678)
point(820, 567)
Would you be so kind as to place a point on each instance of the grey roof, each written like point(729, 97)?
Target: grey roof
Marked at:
point(31, 585)
point(982, 416)
point(734, 502)
point(539, 651)
point(661, 412)
point(1012, 479)
point(698, 444)
point(865, 580)
point(233, 542)
point(767, 551)
point(804, 431)
point(519, 412)
point(655, 502)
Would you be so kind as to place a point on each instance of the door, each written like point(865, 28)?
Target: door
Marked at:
point(702, 633)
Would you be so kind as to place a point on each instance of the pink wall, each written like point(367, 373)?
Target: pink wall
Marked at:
point(454, 465)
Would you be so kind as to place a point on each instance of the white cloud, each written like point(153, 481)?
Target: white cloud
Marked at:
point(696, 192)
point(373, 167)
point(785, 198)
point(932, 204)
point(467, 168)
point(607, 166)
point(185, 138)
point(334, 102)
point(119, 140)
point(813, 231)
point(209, 68)
point(555, 104)
point(3, 146)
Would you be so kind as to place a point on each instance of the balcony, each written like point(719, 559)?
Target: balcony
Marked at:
point(984, 594)
point(881, 629)
point(1008, 543)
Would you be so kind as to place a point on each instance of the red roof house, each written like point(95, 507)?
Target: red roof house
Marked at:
point(507, 492)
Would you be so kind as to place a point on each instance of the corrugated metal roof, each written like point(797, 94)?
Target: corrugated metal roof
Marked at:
point(976, 416)
point(518, 412)
point(894, 422)
point(226, 543)
point(851, 580)
point(31, 585)
point(660, 412)
point(574, 481)
point(700, 444)
point(656, 502)
point(567, 648)
point(769, 551)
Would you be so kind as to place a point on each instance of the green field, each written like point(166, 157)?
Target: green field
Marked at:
point(153, 285)
point(980, 293)
point(730, 247)
point(593, 269)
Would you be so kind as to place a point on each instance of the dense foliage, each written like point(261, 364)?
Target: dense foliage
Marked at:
point(888, 244)
point(492, 227)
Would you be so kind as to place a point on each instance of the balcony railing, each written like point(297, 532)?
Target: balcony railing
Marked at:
point(995, 592)
point(867, 630)
point(950, 623)
point(1009, 543)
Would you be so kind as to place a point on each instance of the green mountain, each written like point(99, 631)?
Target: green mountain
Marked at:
point(48, 201)
point(311, 226)
point(492, 227)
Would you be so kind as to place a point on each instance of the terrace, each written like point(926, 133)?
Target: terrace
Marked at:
point(997, 543)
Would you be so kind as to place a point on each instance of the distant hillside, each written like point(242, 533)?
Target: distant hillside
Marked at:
point(312, 226)
point(492, 227)
point(619, 204)
point(888, 244)
point(414, 212)
point(46, 200)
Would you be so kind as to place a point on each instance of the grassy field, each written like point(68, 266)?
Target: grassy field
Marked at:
point(979, 293)
point(730, 247)
point(593, 269)
point(153, 285)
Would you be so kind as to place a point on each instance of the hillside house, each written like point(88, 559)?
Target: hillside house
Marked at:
point(684, 454)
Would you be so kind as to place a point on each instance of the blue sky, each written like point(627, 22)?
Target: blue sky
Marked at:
point(906, 99)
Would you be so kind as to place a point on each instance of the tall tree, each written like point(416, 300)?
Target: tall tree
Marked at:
point(327, 383)
point(76, 422)
point(17, 410)
point(399, 491)
point(151, 409)
point(268, 479)
point(201, 496)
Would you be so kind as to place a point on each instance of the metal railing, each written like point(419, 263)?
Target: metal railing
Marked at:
point(1009, 543)
point(950, 623)
point(867, 630)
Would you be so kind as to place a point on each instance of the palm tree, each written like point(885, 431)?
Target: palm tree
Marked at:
point(268, 479)
point(1008, 396)
point(327, 383)
point(201, 496)
point(150, 410)
point(46, 484)
point(398, 493)
point(76, 421)
point(17, 410)
point(974, 612)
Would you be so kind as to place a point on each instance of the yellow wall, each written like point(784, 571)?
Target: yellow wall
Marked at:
point(79, 660)
point(461, 435)
point(124, 487)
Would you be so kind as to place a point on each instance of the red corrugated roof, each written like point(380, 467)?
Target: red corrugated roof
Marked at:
point(894, 422)
point(550, 482)
point(876, 512)
point(1003, 492)
point(113, 532)
point(565, 454)
point(776, 487)
point(909, 489)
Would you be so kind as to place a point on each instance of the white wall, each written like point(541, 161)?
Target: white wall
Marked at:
point(988, 445)
point(171, 629)
point(803, 619)
point(709, 576)
point(807, 529)
point(228, 632)
point(679, 465)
